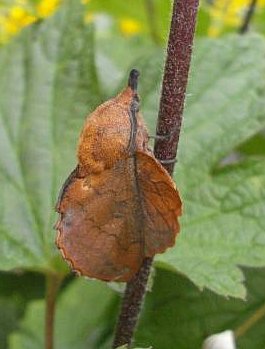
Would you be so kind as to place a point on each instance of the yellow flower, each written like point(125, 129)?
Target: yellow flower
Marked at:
point(129, 27)
point(46, 7)
point(20, 16)
point(17, 13)
point(228, 13)
point(14, 21)
point(89, 17)
point(10, 27)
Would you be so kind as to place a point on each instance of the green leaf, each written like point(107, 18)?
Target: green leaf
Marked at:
point(14, 295)
point(79, 318)
point(225, 104)
point(223, 222)
point(48, 84)
point(223, 227)
point(178, 315)
point(254, 146)
point(11, 310)
point(203, 21)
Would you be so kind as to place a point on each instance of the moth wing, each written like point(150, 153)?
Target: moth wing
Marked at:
point(96, 229)
point(161, 205)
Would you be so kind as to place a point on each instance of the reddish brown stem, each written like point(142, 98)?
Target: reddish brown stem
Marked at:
point(53, 282)
point(131, 305)
point(175, 80)
point(169, 123)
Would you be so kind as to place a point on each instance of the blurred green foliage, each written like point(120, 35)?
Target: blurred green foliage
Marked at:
point(51, 76)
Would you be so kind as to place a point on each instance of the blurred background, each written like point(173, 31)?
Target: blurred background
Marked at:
point(140, 18)
point(58, 61)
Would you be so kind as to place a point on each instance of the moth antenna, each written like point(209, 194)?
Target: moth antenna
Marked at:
point(133, 79)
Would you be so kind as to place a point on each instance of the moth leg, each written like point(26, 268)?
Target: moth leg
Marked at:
point(168, 161)
point(166, 137)
point(157, 137)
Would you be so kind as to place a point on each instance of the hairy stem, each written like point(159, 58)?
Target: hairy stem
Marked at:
point(53, 282)
point(169, 123)
point(175, 80)
point(131, 305)
point(249, 15)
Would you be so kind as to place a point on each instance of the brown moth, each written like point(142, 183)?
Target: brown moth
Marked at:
point(119, 205)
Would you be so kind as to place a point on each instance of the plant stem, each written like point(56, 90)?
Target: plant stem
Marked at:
point(249, 15)
point(175, 79)
point(249, 323)
point(131, 305)
point(53, 282)
point(150, 13)
point(169, 122)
